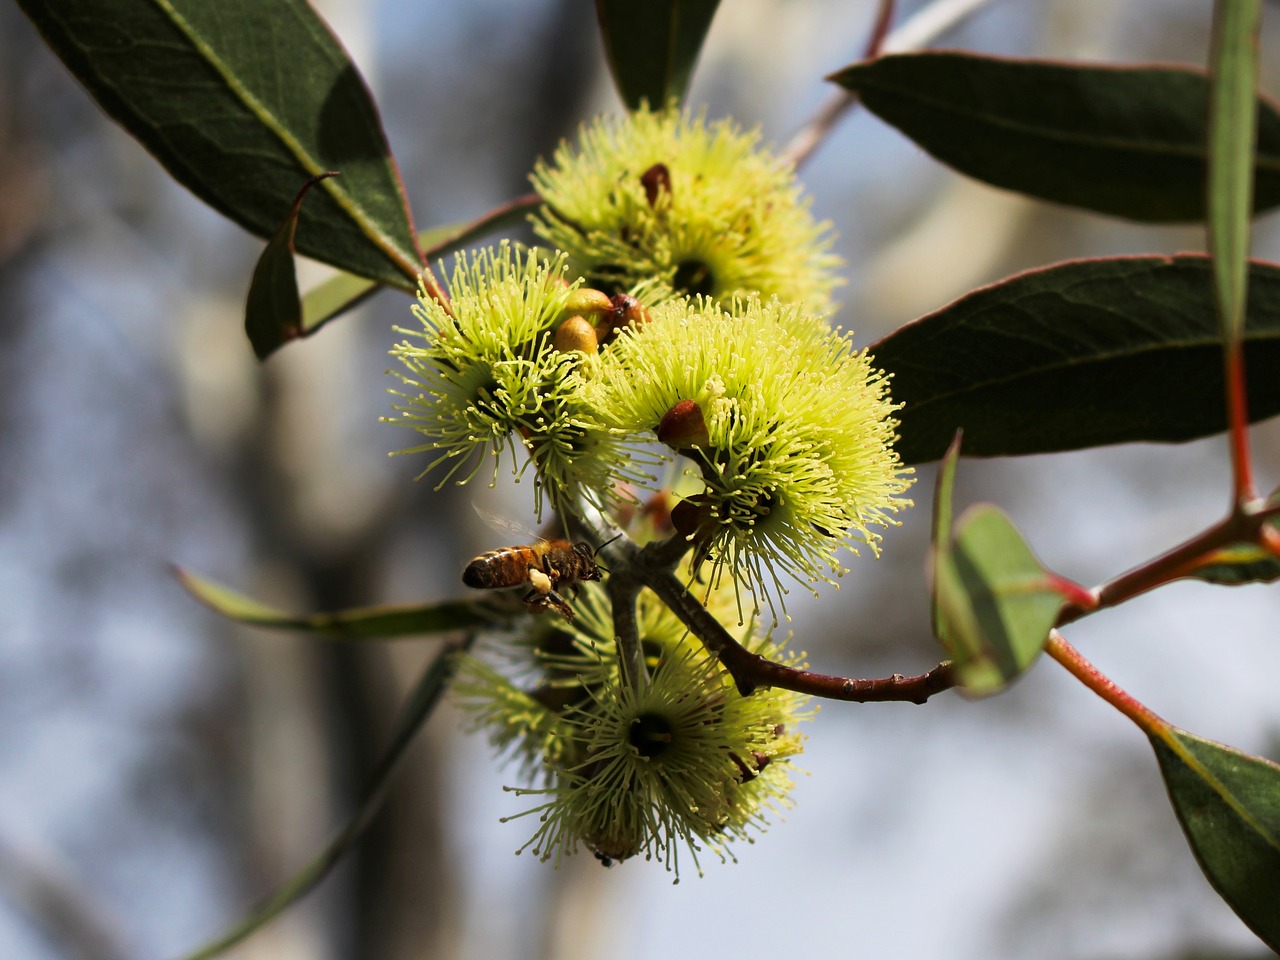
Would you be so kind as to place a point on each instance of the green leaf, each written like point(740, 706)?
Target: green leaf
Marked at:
point(1238, 565)
point(242, 103)
point(1233, 115)
point(417, 710)
point(1228, 803)
point(339, 294)
point(361, 623)
point(1242, 563)
point(995, 603)
point(1079, 354)
point(1126, 141)
point(652, 46)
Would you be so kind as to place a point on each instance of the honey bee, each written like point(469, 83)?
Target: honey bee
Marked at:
point(548, 567)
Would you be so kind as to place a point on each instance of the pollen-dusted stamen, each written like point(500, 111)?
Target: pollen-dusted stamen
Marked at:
point(697, 207)
point(795, 449)
point(502, 373)
point(685, 764)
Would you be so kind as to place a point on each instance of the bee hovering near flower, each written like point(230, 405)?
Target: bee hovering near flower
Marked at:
point(548, 567)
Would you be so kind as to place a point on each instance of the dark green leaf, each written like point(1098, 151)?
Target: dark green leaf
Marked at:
point(344, 292)
point(1233, 113)
point(1079, 354)
point(422, 702)
point(995, 603)
point(243, 103)
point(361, 623)
point(1238, 565)
point(652, 46)
point(1228, 803)
point(1127, 141)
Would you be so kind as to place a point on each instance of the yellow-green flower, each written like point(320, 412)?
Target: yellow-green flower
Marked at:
point(791, 430)
point(484, 376)
point(700, 207)
point(683, 761)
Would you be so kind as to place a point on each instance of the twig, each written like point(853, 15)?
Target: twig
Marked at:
point(750, 670)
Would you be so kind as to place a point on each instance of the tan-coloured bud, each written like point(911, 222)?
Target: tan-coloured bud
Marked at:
point(576, 333)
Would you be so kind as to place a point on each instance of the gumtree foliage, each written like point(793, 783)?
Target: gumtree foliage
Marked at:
point(679, 299)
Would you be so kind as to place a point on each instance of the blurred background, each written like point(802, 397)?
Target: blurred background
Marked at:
point(161, 771)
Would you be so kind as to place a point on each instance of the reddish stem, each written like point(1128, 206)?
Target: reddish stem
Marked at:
point(1071, 658)
point(1238, 416)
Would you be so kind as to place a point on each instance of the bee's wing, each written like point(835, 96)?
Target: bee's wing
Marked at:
point(513, 530)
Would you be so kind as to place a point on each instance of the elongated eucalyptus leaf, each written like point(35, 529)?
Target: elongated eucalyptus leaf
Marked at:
point(1228, 803)
point(652, 46)
point(1079, 354)
point(1126, 141)
point(344, 292)
point(360, 623)
point(422, 702)
point(1232, 129)
point(1238, 565)
point(995, 604)
point(243, 102)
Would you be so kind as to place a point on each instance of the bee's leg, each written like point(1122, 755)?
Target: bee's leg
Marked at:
point(536, 601)
point(559, 604)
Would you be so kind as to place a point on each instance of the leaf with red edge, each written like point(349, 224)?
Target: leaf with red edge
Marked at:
point(241, 102)
point(1129, 141)
point(1079, 354)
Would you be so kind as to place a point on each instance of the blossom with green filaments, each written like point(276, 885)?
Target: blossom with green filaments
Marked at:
point(683, 761)
point(799, 456)
point(726, 218)
point(486, 377)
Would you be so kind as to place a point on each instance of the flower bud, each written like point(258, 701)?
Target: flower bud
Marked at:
point(576, 333)
point(588, 302)
point(683, 427)
point(656, 182)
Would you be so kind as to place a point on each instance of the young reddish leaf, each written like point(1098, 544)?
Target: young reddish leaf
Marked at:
point(360, 623)
point(1079, 354)
point(272, 313)
point(652, 47)
point(1126, 141)
point(241, 103)
point(1228, 803)
point(995, 603)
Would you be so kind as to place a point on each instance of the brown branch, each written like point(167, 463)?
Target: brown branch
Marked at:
point(750, 670)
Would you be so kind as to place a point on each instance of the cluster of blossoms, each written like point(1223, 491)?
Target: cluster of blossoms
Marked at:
point(685, 761)
point(685, 303)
